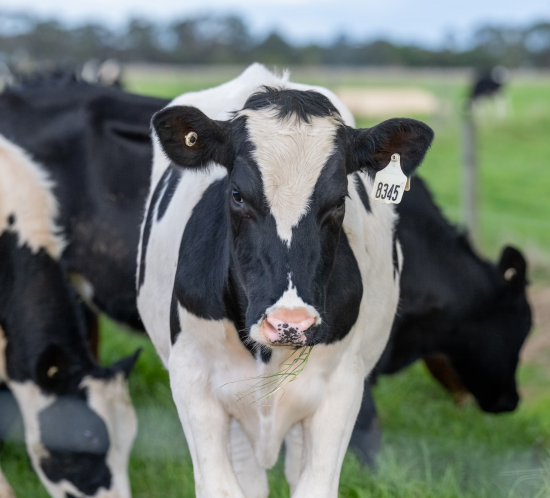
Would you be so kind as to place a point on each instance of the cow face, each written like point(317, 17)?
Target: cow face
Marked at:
point(288, 156)
point(79, 433)
point(486, 353)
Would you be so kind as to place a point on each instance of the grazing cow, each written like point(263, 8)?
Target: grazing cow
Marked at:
point(257, 245)
point(94, 142)
point(465, 317)
point(79, 421)
point(468, 311)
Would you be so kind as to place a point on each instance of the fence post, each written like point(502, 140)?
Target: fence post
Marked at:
point(470, 181)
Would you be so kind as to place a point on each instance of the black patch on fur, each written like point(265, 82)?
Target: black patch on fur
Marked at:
point(213, 143)
point(159, 189)
point(77, 441)
point(265, 354)
point(303, 104)
point(172, 183)
point(175, 327)
point(362, 192)
point(203, 262)
point(455, 304)
point(11, 219)
point(395, 257)
point(370, 149)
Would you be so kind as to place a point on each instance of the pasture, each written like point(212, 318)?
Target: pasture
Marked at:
point(431, 448)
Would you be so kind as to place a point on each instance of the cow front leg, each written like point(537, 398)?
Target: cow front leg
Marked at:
point(294, 452)
point(251, 476)
point(327, 433)
point(205, 423)
point(5, 488)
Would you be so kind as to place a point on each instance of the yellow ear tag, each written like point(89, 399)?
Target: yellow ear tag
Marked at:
point(389, 183)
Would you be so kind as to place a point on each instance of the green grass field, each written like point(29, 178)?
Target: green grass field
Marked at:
point(431, 448)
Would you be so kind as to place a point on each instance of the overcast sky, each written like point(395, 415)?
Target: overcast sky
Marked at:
point(422, 21)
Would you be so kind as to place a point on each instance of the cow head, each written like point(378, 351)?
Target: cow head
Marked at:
point(79, 426)
point(486, 350)
point(288, 156)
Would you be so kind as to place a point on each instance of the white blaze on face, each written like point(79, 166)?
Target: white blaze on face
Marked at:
point(290, 155)
point(111, 401)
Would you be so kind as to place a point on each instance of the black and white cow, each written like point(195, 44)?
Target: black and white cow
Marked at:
point(79, 420)
point(94, 142)
point(256, 243)
point(457, 308)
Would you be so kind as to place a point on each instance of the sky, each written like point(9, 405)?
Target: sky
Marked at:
point(425, 22)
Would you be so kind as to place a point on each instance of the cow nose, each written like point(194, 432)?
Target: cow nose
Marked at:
point(287, 326)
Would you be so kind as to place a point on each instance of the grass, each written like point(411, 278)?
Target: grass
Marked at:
point(430, 448)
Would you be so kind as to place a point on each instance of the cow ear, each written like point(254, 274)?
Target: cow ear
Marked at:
point(371, 149)
point(513, 267)
point(190, 138)
point(52, 369)
point(126, 365)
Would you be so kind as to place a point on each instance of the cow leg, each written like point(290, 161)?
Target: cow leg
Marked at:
point(5, 488)
point(294, 453)
point(251, 476)
point(327, 433)
point(366, 435)
point(205, 422)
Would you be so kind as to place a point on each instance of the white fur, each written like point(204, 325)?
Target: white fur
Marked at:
point(26, 192)
point(290, 155)
point(210, 369)
point(111, 401)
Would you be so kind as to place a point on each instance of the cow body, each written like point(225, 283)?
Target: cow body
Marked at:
point(472, 313)
point(79, 421)
point(228, 251)
point(77, 131)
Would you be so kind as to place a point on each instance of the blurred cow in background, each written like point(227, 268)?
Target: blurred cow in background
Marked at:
point(79, 420)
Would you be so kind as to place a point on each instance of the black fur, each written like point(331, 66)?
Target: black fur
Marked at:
point(149, 223)
point(456, 304)
point(363, 195)
point(172, 183)
point(95, 143)
point(47, 346)
point(302, 104)
point(175, 327)
point(372, 148)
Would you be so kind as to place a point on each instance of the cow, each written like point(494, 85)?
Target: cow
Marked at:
point(78, 417)
point(94, 142)
point(456, 309)
point(257, 246)
point(465, 317)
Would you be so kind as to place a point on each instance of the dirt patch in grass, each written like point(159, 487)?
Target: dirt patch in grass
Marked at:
point(389, 101)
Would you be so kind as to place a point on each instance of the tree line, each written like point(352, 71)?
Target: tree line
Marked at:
point(228, 40)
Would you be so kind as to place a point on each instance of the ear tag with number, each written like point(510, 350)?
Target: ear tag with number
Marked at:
point(389, 183)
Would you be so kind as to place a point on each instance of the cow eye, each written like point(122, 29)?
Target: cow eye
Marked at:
point(237, 197)
point(341, 201)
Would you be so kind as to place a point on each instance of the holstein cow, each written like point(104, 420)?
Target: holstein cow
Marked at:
point(257, 243)
point(79, 421)
point(94, 142)
point(467, 317)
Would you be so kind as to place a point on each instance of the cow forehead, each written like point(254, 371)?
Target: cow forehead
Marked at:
point(290, 155)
